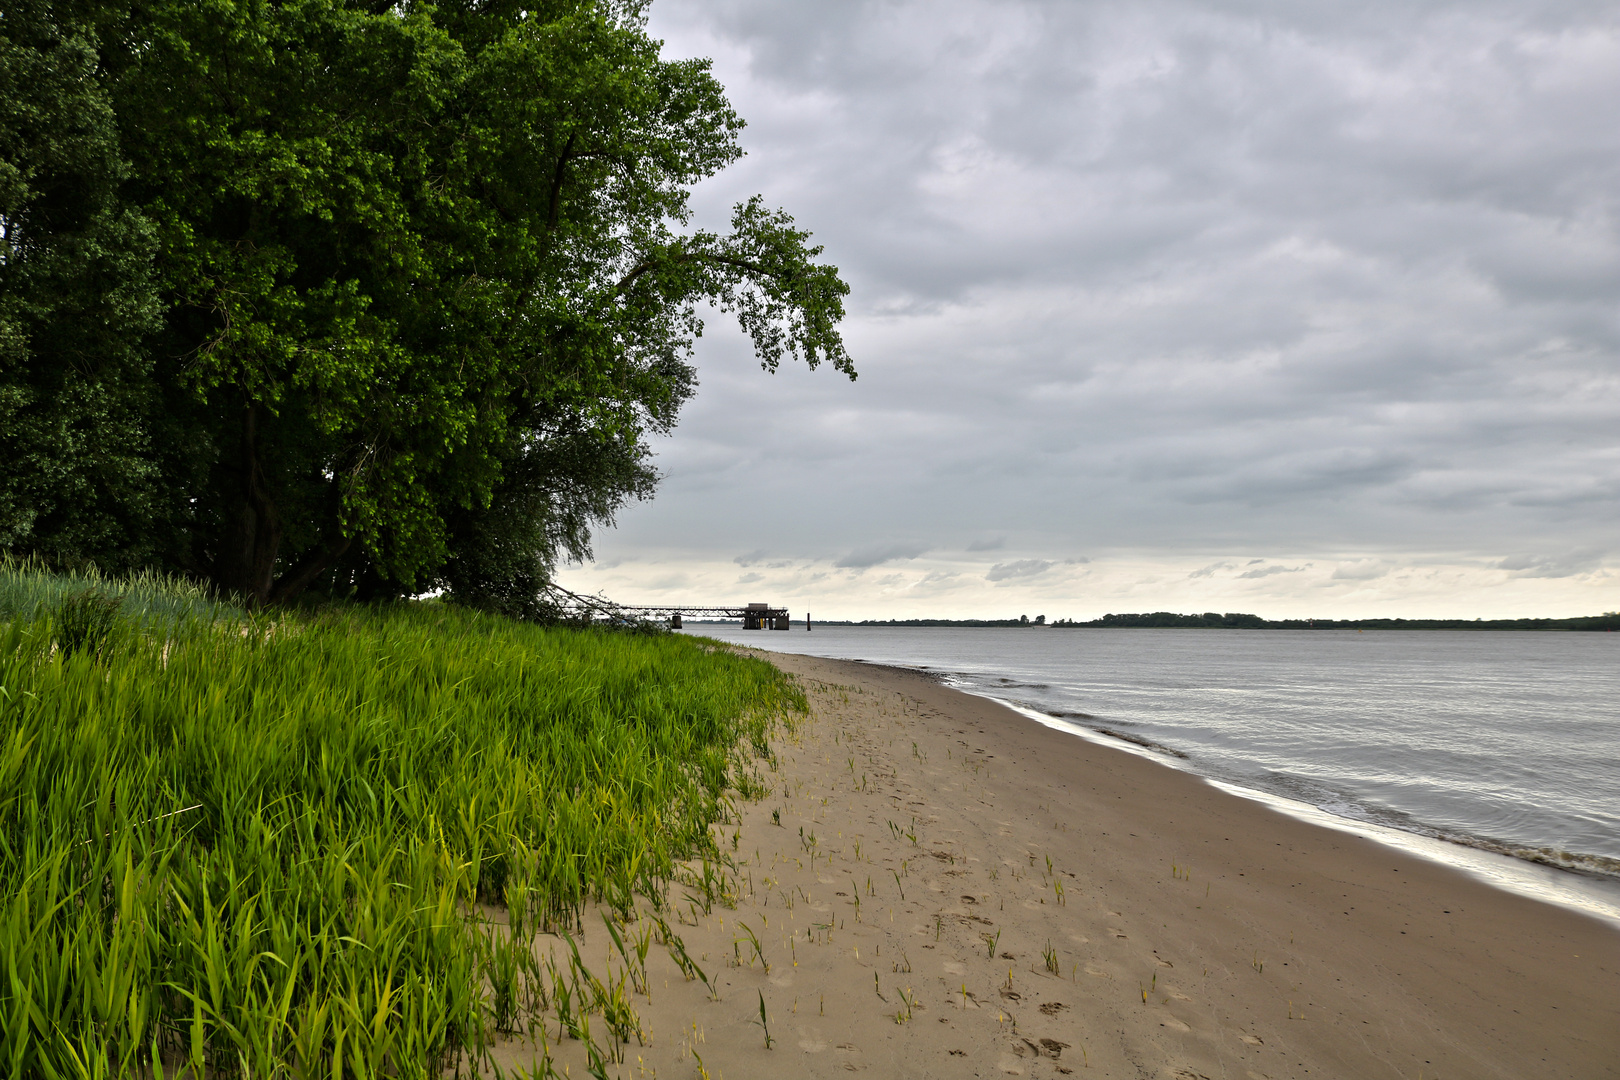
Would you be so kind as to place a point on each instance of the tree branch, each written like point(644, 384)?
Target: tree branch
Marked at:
point(646, 265)
point(554, 214)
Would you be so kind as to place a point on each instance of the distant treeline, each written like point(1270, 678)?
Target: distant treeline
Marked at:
point(926, 622)
point(1211, 620)
point(1240, 621)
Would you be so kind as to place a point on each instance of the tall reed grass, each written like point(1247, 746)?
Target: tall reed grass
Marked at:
point(256, 847)
point(151, 599)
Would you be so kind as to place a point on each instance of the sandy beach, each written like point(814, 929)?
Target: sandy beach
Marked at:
point(935, 886)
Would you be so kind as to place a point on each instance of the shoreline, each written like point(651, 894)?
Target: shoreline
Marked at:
point(941, 888)
point(1552, 877)
point(1588, 892)
point(1575, 878)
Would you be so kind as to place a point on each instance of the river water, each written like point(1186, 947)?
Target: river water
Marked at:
point(1496, 751)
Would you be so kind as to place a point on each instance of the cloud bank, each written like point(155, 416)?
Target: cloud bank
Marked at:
point(1180, 285)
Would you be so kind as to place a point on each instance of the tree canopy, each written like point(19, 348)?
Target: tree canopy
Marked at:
point(404, 288)
point(77, 298)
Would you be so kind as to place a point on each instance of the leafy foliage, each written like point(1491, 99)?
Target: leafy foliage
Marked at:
point(429, 283)
point(77, 293)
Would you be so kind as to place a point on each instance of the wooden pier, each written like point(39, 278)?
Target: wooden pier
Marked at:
point(601, 609)
point(753, 616)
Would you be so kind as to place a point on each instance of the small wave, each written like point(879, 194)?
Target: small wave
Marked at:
point(1068, 715)
point(1137, 740)
point(1351, 809)
point(1602, 866)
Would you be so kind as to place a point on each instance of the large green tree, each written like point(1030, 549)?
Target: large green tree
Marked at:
point(78, 474)
point(429, 280)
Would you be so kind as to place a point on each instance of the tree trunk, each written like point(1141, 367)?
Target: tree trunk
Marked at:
point(246, 564)
point(248, 551)
point(315, 562)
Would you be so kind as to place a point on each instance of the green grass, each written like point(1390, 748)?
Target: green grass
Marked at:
point(271, 846)
point(149, 599)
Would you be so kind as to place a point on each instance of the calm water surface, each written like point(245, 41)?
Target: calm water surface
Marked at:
point(1505, 741)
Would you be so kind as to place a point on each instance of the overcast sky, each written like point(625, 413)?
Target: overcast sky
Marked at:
point(1292, 308)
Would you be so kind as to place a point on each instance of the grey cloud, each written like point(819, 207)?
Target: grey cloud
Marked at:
point(1023, 568)
point(749, 579)
point(878, 554)
point(1360, 570)
point(1268, 571)
point(762, 558)
point(1208, 278)
point(669, 582)
point(1553, 566)
point(991, 544)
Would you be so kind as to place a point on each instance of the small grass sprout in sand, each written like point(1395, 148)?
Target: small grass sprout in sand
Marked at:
point(635, 955)
point(753, 941)
point(688, 967)
point(764, 1022)
point(908, 1006)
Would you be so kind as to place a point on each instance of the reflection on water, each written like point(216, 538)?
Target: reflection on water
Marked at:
point(1505, 741)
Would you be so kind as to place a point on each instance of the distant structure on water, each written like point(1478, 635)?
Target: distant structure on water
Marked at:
point(753, 616)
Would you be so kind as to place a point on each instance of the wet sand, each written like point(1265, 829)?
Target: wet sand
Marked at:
point(943, 888)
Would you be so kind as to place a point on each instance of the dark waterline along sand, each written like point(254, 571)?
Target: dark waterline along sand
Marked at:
point(1195, 934)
